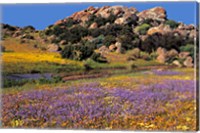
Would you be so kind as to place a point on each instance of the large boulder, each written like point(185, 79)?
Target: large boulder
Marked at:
point(163, 29)
point(93, 26)
point(157, 13)
point(63, 42)
point(104, 12)
point(183, 55)
point(17, 33)
point(126, 18)
point(188, 62)
point(58, 22)
point(161, 51)
point(119, 47)
point(161, 58)
point(177, 63)
point(82, 16)
point(112, 47)
point(103, 49)
point(162, 55)
point(172, 53)
point(53, 48)
point(92, 10)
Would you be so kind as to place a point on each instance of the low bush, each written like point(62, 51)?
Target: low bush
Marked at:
point(142, 29)
point(10, 83)
point(98, 58)
point(188, 48)
point(172, 23)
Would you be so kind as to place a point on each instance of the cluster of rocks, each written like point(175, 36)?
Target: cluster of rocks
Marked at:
point(16, 32)
point(117, 47)
point(179, 59)
point(122, 13)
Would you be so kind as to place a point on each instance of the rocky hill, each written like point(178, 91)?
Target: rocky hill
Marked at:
point(114, 29)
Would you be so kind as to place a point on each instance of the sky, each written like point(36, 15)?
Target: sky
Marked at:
point(42, 15)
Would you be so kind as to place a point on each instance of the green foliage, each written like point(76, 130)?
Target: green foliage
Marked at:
point(68, 23)
point(10, 82)
point(95, 32)
point(98, 58)
point(126, 41)
point(78, 51)
point(188, 48)
point(28, 29)
point(171, 23)
point(167, 41)
point(9, 27)
point(100, 20)
point(142, 29)
point(53, 80)
point(112, 29)
point(108, 40)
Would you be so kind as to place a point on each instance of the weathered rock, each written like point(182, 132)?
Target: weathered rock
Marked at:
point(127, 17)
point(157, 13)
point(51, 38)
point(120, 21)
point(81, 16)
point(92, 10)
point(163, 29)
point(172, 53)
point(53, 48)
point(58, 22)
point(17, 34)
point(103, 49)
point(161, 58)
point(161, 51)
point(93, 25)
point(177, 63)
point(63, 42)
point(162, 55)
point(112, 47)
point(104, 12)
point(117, 10)
point(183, 33)
point(193, 34)
point(143, 37)
point(119, 47)
point(183, 55)
point(188, 62)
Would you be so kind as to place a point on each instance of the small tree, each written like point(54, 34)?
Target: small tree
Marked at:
point(108, 40)
point(142, 29)
point(171, 23)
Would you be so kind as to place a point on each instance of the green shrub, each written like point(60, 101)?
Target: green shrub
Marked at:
point(68, 23)
point(126, 41)
point(188, 48)
point(10, 82)
point(78, 51)
point(28, 29)
point(53, 80)
point(98, 58)
point(172, 23)
point(10, 28)
point(142, 29)
point(108, 40)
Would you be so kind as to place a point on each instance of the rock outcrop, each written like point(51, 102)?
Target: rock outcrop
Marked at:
point(157, 13)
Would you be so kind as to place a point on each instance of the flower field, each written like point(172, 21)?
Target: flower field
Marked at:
point(21, 62)
point(151, 100)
